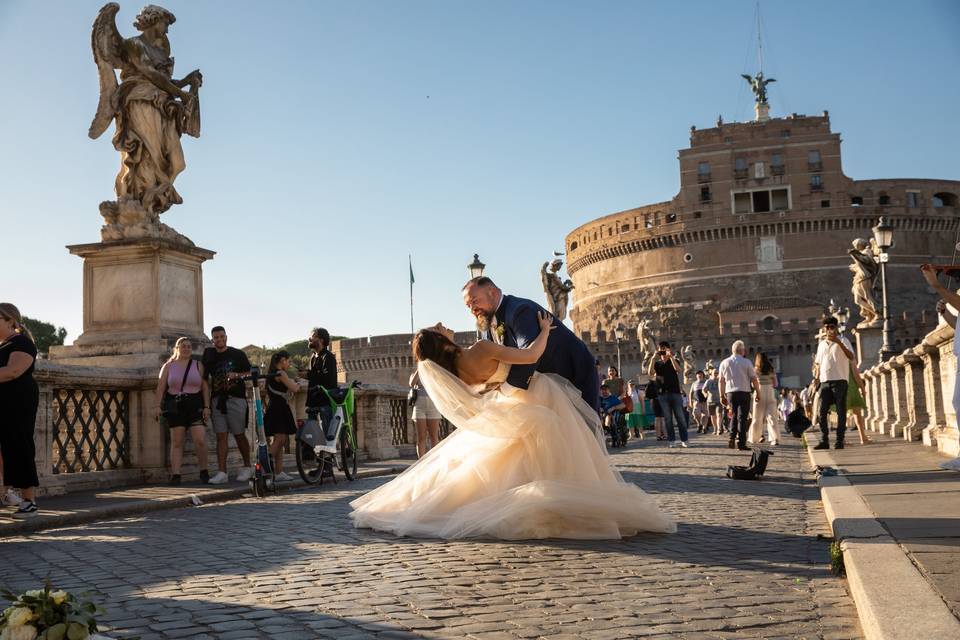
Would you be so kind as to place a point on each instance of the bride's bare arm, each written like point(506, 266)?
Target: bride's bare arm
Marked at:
point(512, 355)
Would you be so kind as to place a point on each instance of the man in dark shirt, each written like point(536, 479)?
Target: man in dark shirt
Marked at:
point(223, 366)
point(322, 374)
point(666, 369)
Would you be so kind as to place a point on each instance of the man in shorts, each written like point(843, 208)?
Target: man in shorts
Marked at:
point(224, 367)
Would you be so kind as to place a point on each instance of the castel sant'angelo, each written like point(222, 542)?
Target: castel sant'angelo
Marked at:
point(754, 246)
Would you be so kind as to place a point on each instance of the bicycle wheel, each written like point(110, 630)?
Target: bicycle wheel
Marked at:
point(260, 486)
point(348, 453)
point(309, 464)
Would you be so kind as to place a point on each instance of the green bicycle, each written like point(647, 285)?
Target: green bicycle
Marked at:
point(328, 437)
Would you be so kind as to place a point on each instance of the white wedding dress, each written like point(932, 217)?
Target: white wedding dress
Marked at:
point(519, 466)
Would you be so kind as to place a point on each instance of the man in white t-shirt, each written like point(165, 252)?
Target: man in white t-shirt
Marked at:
point(831, 367)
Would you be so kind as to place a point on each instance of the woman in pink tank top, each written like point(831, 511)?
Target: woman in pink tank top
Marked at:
point(183, 401)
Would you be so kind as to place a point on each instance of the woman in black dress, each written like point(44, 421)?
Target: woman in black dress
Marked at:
point(19, 397)
point(278, 419)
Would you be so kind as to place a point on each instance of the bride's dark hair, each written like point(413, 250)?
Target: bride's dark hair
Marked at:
point(432, 345)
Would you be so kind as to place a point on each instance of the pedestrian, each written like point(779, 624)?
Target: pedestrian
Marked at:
point(614, 382)
point(737, 378)
point(765, 402)
point(611, 411)
point(224, 367)
point(322, 375)
point(711, 389)
point(652, 394)
point(10, 497)
point(425, 417)
point(787, 404)
point(183, 399)
point(278, 421)
point(832, 369)
point(856, 404)
point(19, 399)
point(698, 400)
point(666, 369)
point(637, 418)
point(948, 297)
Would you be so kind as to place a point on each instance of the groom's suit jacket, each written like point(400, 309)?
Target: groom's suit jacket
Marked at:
point(566, 355)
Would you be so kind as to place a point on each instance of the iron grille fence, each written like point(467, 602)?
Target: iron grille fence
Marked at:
point(91, 429)
point(398, 421)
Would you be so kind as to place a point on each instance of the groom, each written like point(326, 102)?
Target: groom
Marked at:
point(513, 322)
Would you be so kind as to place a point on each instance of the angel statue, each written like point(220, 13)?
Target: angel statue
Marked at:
point(647, 342)
point(865, 268)
point(151, 110)
point(758, 85)
point(558, 292)
point(689, 364)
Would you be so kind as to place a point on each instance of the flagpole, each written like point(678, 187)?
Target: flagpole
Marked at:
point(410, 259)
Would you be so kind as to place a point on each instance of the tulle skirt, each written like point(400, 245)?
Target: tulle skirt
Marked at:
point(527, 465)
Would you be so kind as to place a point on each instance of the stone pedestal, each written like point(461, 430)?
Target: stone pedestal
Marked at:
point(762, 111)
point(869, 341)
point(139, 296)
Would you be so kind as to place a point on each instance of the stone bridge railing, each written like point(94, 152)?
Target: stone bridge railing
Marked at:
point(911, 395)
point(96, 428)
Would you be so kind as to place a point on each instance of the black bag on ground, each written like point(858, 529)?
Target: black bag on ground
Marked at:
point(758, 466)
point(797, 422)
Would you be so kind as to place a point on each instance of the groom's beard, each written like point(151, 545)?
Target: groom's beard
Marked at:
point(483, 322)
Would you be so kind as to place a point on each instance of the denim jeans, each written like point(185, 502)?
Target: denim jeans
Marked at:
point(833, 392)
point(672, 405)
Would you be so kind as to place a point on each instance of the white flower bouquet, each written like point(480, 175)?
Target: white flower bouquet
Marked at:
point(45, 614)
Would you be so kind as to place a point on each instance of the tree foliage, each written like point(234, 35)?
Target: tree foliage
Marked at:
point(45, 334)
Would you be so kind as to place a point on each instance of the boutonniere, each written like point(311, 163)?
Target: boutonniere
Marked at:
point(499, 331)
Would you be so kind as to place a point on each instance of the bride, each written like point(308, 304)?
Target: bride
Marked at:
point(522, 464)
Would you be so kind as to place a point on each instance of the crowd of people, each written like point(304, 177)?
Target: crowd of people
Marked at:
point(741, 398)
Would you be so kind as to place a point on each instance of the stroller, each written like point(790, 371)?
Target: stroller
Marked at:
point(617, 430)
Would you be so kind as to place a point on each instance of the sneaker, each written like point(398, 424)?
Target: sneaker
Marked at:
point(823, 445)
point(175, 480)
point(671, 445)
point(27, 509)
point(204, 476)
point(12, 499)
point(838, 445)
point(221, 477)
point(243, 475)
point(283, 477)
point(684, 444)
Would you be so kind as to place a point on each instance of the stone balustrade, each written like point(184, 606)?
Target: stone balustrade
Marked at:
point(97, 428)
point(910, 395)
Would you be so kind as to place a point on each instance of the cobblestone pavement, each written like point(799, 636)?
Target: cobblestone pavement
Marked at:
point(746, 563)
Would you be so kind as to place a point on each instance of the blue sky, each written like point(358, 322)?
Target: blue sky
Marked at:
point(339, 137)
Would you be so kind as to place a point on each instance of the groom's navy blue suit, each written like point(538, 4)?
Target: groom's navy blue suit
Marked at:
point(566, 355)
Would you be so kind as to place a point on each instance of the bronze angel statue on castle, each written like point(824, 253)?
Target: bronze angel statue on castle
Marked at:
point(151, 111)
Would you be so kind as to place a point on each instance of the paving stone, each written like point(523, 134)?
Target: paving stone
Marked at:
point(746, 563)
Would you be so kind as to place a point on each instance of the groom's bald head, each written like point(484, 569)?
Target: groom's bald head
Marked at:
point(481, 296)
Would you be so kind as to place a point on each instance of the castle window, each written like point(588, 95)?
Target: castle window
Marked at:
point(785, 133)
point(816, 183)
point(698, 214)
point(703, 172)
point(759, 170)
point(824, 204)
point(741, 203)
point(647, 224)
point(769, 324)
point(625, 228)
point(573, 246)
point(761, 201)
point(884, 199)
point(776, 164)
point(740, 168)
point(813, 161)
point(913, 199)
point(781, 199)
point(856, 201)
point(944, 199)
point(704, 195)
point(672, 217)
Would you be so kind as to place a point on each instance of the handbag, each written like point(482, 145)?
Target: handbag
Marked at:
point(180, 404)
point(412, 397)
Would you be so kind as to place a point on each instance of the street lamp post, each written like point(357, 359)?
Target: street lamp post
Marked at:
point(618, 332)
point(883, 234)
point(476, 267)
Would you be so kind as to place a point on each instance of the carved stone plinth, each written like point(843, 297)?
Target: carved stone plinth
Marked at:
point(139, 296)
point(917, 418)
point(869, 341)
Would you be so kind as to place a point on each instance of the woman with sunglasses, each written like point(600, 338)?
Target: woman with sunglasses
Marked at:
point(19, 397)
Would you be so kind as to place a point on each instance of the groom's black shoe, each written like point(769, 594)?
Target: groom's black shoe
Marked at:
point(823, 445)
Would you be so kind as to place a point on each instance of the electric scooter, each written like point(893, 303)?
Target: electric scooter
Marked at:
point(263, 473)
